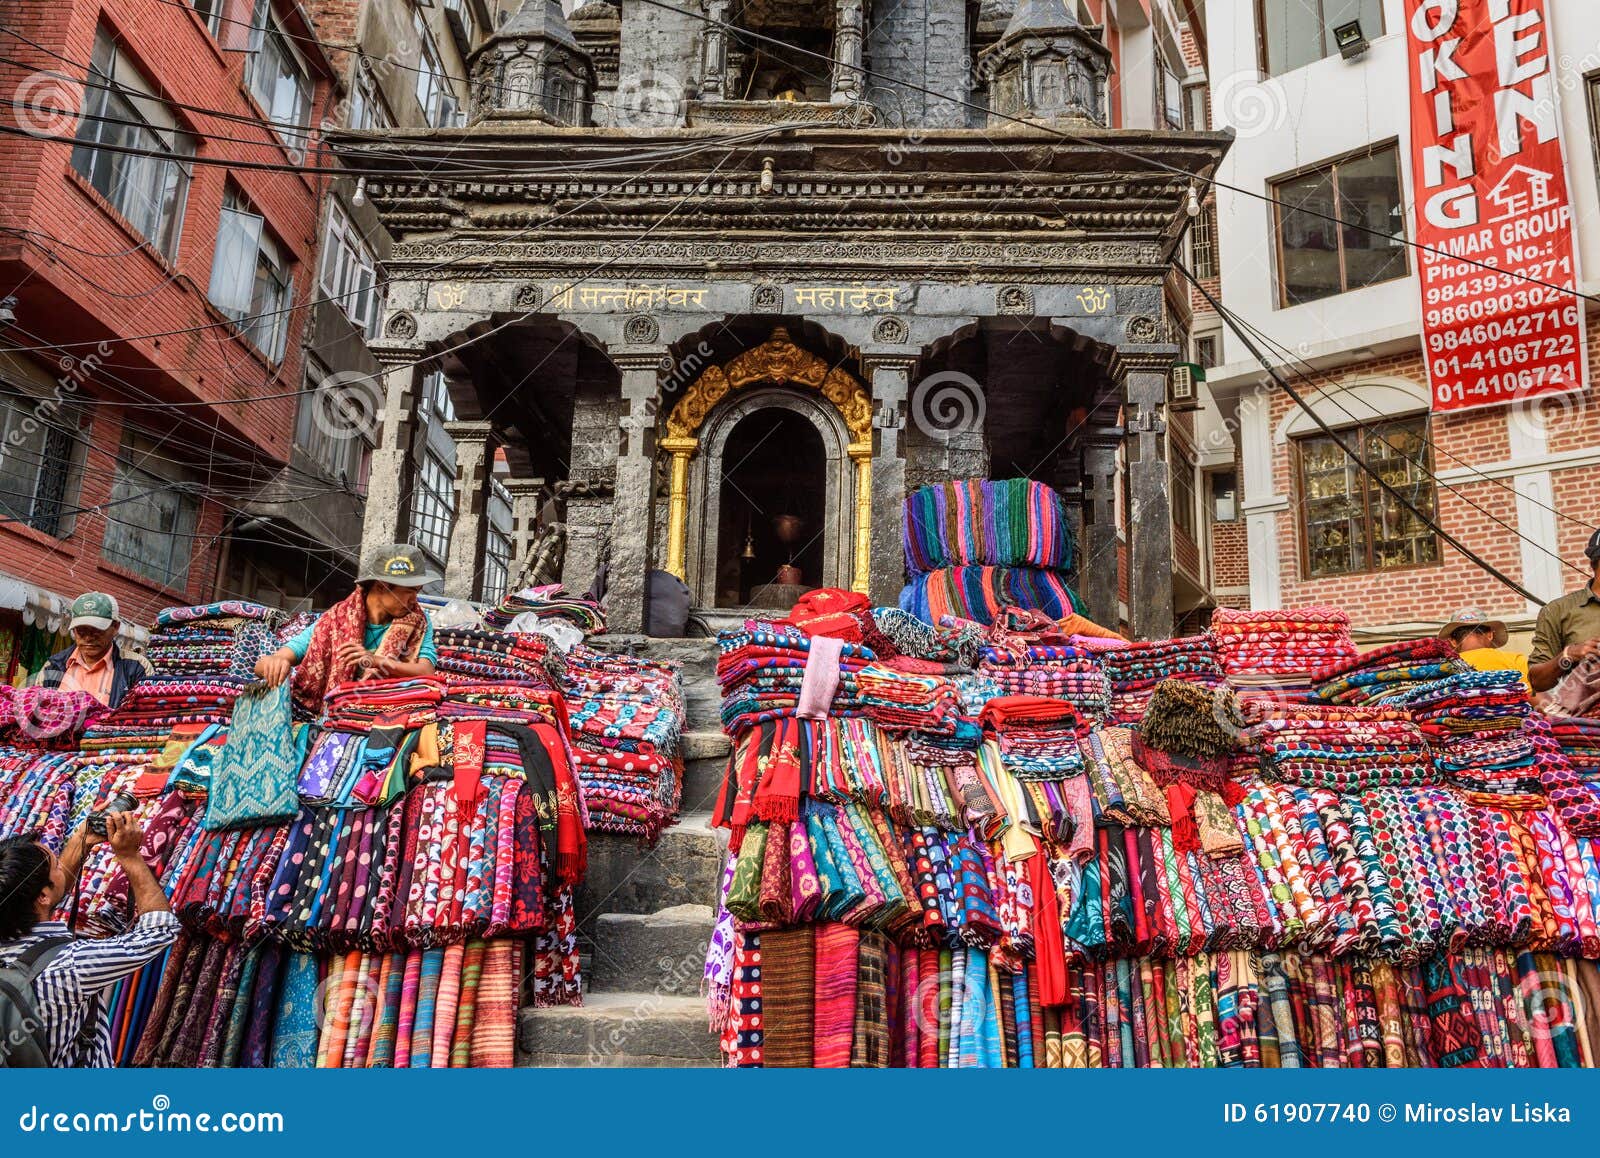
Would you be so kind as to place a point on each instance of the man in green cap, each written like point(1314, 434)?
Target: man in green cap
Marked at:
point(378, 630)
point(94, 663)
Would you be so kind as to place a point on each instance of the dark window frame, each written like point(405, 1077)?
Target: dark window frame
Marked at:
point(1327, 32)
point(1371, 492)
point(1276, 184)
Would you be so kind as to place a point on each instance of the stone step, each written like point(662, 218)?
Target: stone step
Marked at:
point(618, 1029)
point(685, 867)
point(705, 758)
point(662, 952)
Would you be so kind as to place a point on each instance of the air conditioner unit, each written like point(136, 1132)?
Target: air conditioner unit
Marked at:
point(1183, 390)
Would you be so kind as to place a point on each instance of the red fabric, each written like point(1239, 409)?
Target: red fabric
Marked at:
point(1050, 951)
point(471, 746)
point(346, 622)
point(1180, 803)
point(778, 795)
point(830, 611)
point(572, 843)
point(1004, 710)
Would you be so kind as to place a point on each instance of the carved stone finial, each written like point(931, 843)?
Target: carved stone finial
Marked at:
point(1047, 67)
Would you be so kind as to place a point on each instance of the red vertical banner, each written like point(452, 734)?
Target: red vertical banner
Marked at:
point(1492, 205)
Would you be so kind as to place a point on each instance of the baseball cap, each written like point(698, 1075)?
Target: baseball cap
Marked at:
point(94, 609)
point(398, 564)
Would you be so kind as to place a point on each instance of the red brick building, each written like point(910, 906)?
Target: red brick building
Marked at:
point(158, 237)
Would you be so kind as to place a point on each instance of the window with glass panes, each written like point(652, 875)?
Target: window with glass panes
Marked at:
point(38, 452)
point(328, 427)
point(1340, 227)
point(367, 110)
point(1181, 472)
point(350, 274)
point(1295, 33)
point(278, 80)
point(1349, 523)
point(149, 185)
point(497, 544)
point(433, 506)
point(432, 88)
point(250, 276)
point(151, 516)
point(1203, 241)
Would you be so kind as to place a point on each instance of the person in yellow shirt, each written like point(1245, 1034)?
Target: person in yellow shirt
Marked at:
point(1479, 640)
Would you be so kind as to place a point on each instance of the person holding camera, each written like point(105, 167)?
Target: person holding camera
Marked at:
point(64, 1016)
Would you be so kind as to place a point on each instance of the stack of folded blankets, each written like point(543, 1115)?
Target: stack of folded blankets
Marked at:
point(627, 718)
point(1474, 723)
point(1342, 749)
point(36, 791)
point(1073, 674)
point(975, 547)
point(1387, 671)
point(549, 602)
point(761, 667)
point(1275, 652)
point(1571, 771)
point(908, 702)
point(1037, 737)
point(496, 655)
point(1135, 670)
point(363, 705)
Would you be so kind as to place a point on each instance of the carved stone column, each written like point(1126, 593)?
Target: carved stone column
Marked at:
point(1142, 374)
point(389, 478)
point(1097, 546)
point(847, 42)
point(714, 50)
point(525, 495)
point(633, 529)
point(889, 378)
point(475, 446)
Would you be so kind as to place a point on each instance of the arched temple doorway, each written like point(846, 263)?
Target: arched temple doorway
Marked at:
point(770, 467)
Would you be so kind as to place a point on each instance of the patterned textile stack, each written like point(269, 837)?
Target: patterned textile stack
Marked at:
point(1387, 671)
point(892, 898)
point(1135, 670)
point(1273, 653)
point(36, 790)
point(1475, 725)
point(432, 839)
point(1061, 672)
point(627, 729)
point(1573, 779)
point(1037, 737)
point(976, 547)
point(761, 669)
point(1343, 749)
point(549, 602)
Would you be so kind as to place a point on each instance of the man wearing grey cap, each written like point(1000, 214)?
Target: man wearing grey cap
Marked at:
point(94, 663)
point(1568, 631)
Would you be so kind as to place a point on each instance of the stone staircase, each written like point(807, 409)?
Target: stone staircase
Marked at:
point(645, 915)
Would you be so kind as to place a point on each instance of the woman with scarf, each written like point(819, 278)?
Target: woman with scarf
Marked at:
point(377, 630)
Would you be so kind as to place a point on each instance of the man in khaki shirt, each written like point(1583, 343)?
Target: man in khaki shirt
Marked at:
point(1568, 631)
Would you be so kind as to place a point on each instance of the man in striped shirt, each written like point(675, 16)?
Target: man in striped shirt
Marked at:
point(69, 989)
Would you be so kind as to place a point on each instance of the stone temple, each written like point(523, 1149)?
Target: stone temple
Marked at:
point(724, 282)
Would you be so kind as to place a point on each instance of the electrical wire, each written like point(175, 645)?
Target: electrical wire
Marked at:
point(1341, 387)
point(1360, 460)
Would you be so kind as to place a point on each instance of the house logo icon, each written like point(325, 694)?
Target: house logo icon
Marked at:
point(1522, 191)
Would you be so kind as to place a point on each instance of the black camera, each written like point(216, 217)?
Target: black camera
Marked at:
point(121, 802)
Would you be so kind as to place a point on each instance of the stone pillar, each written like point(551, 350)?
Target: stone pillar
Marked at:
point(633, 527)
point(714, 50)
point(389, 477)
point(1141, 372)
point(889, 378)
point(475, 446)
point(525, 495)
point(847, 41)
point(1097, 546)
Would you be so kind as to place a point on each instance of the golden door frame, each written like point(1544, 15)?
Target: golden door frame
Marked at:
point(779, 362)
